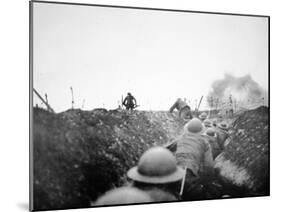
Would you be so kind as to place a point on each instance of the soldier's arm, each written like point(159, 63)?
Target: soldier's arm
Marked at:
point(124, 102)
point(173, 107)
point(135, 101)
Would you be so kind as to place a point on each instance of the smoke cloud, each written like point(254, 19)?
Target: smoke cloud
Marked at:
point(242, 91)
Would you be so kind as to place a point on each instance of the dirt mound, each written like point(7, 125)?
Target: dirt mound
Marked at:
point(79, 155)
point(245, 159)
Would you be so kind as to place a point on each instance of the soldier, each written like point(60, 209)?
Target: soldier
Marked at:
point(130, 102)
point(193, 150)
point(123, 195)
point(194, 154)
point(157, 169)
point(182, 107)
point(203, 116)
point(222, 133)
point(213, 141)
point(207, 123)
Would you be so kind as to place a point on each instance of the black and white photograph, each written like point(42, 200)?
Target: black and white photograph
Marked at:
point(135, 105)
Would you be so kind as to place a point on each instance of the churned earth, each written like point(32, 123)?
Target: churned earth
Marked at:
point(245, 160)
point(78, 155)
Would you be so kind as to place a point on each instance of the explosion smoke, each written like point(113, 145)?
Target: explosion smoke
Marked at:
point(244, 91)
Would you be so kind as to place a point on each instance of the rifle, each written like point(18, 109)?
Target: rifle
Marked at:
point(183, 182)
point(199, 103)
point(72, 102)
point(135, 106)
point(122, 101)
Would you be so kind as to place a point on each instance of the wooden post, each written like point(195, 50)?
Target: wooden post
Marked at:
point(72, 100)
point(46, 103)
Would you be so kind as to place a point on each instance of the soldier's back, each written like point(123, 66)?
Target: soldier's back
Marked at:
point(190, 151)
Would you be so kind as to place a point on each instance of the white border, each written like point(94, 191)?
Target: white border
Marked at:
point(15, 103)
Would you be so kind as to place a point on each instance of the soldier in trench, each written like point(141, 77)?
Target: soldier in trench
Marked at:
point(194, 154)
point(203, 116)
point(157, 174)
point(222, 134)
point(207, 123)
point(211, 136)
point(156, 178)
point(183, 108)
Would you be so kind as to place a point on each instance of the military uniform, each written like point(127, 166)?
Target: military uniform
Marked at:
point(182, 107)
point(222, 134)
point(194, 152)
point(157, 169)
point(213, 141)
point(129, 102)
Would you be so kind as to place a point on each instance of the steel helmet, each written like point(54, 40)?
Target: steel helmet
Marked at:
point(203, 115)
point(207, 123)
point(194, 126)
point(223, 126)
point(156, 166)
point(210, 132)
point(123, 195)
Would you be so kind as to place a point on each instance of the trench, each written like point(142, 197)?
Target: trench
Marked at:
point(79, 155)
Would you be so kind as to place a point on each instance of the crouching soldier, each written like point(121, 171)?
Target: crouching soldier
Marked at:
point(183, 108)
point(193, 150)
point(222, 134)
point(194, 154)
point(157, 173)
point(213, 141)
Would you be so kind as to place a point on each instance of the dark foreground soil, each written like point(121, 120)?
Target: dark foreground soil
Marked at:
point(79, 155)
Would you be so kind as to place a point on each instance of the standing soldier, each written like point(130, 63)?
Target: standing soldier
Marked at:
point(182, 107)
point(207, 123)
point(130, 102)
point(157, 172)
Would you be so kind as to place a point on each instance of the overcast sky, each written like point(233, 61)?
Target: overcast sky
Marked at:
point(158, 56)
